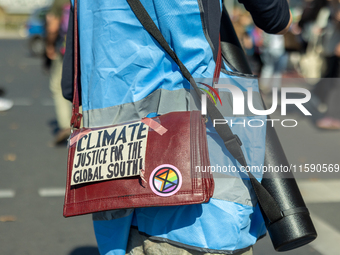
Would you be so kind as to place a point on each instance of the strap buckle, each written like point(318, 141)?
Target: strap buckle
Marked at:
point(235, 137)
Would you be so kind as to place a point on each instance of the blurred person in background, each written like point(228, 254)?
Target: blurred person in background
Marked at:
point(312, 29)
point(308, 17)
point(250, 39)
point(265, 52)
point(257, 38)
point(56, 30)
point(328, 90)
point(274, 60)
point(325, 26)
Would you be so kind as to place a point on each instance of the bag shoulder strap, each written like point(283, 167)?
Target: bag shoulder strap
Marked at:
point(231, 141)
point(76, 116)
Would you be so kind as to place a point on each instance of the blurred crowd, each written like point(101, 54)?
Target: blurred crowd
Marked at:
point(310, 50)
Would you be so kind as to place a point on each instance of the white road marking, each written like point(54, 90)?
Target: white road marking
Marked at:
point(30, 61)
point(51, 192)
point(22, 101)
point(320, 191)
point(328, 240)
point(7, 193)
point(47, 102)
point(28, 102)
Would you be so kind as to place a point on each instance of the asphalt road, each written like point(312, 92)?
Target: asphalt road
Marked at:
point(33, 171)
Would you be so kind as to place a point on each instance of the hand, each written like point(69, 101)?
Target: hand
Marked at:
point(337, 50)
point(337, 16)
point(50, 52)
point(296, 30)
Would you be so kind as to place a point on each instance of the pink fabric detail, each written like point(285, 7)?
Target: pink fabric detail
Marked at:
point(79, 136)
point(154, 125)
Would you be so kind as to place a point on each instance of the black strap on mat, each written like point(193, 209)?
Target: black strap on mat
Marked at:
point(231, 141)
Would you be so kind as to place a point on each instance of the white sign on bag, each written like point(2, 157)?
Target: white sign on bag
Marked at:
point(111, 153)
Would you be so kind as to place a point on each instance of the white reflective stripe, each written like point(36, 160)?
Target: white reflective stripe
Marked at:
point(51, 192)
point(160, 101)
point(225, 190)
point(322, 191)
point(7, 193)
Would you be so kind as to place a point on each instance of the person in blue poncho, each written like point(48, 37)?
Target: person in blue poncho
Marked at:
point(126, 75)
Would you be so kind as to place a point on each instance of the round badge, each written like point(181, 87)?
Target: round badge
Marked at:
point(165, 180)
